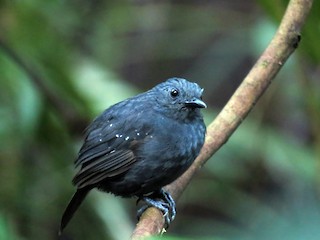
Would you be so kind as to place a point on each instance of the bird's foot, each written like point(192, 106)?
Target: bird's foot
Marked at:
point(161, 200)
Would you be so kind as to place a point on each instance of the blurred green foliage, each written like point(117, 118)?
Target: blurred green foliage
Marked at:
point(63, 62)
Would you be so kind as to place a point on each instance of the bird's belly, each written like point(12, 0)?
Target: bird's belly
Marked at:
point(147, 176)
point(159, 162)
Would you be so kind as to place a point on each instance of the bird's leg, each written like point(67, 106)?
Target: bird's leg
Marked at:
point(172, 205)
point(161, 200)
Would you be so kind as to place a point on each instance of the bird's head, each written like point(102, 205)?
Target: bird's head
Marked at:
point(179, 98)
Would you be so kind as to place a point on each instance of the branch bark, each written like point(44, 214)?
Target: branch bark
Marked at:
point(283, 44)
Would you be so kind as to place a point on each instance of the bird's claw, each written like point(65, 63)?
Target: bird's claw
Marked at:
point(162, 201)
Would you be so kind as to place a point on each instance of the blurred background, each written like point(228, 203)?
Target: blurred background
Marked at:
point(64, 62)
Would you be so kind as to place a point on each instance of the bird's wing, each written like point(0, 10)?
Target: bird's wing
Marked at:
point(108, 150)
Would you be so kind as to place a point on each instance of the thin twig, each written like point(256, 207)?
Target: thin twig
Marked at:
point(253, 86)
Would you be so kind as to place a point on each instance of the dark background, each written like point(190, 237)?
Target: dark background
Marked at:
point(82, 56)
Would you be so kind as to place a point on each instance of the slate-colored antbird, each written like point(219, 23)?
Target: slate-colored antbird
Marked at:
point(141, 144)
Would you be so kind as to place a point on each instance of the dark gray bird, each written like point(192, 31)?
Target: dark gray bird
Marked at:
point(141, 144)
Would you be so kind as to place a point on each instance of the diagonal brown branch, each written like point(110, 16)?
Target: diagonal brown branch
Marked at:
point(284, 42)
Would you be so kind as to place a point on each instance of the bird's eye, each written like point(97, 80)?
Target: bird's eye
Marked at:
point(174, 92)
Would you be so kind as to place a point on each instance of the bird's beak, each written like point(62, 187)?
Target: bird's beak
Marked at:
point(195, 103)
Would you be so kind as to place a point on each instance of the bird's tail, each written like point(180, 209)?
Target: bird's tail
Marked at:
point(72, 207)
